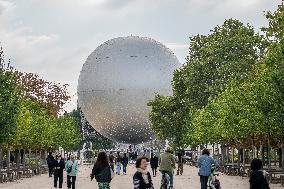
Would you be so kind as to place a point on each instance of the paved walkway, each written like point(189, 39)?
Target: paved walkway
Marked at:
point(189, 180)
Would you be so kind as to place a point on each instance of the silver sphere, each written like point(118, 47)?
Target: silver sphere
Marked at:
point(117, 81)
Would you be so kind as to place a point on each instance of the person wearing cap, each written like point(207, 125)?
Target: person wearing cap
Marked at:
point(167, 164)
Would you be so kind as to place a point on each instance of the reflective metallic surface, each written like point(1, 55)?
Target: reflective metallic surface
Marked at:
point(116, 82)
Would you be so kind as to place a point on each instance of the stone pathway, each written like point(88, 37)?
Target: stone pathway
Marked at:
point(189, 180)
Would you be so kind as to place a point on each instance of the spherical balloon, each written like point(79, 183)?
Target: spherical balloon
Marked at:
point(117, 81)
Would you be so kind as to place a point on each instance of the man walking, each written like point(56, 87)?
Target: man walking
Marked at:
point(180, 163)
point(124, 163)
point(50, 163)
point(167, 164)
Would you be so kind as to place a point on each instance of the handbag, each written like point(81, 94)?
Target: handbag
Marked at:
point(69, 169)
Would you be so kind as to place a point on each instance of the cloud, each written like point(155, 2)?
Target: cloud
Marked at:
point(53, 38)
point(5, 6)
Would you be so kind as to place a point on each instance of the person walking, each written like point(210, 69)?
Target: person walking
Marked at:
point(180, 164)
point(124, 163)
point(205, 162)
point(154, 162)
point(50, 163)
point(111, 161)
point(118, 161)
point(102, 171)
point(142, 178)
point(59, 166)
point(72, 170)
point(168, 164)
point(258, 178)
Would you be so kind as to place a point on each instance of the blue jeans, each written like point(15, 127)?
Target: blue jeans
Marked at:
point(203, 181)
point(124, 168)
point(118, 165)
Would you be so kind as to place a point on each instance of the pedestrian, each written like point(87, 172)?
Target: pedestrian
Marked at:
point(111, 161)
point(180, 164)
point(154, 162)
point(205, 162)
point(258, 178)
point(118, 161)
point(102, 171)
point(59, 166)
point(142, 178)
point(167, 164)
point(72, 170)
point(50, 163)
point(124, 163)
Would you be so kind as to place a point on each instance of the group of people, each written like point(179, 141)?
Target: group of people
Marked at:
point(103, 169)
point(119, 162)
point(56, 168)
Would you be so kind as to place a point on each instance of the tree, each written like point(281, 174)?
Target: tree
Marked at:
point(10, 99)
point(229, 52)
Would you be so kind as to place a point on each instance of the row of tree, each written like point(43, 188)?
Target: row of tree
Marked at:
point(230, 91)
point(31, 112)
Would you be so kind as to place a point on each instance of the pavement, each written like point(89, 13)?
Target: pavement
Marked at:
point(189, 180)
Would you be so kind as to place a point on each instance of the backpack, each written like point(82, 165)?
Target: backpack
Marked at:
point(69, 169)
point(105, 175)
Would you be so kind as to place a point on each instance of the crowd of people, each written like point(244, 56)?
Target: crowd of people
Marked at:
point(107, 165)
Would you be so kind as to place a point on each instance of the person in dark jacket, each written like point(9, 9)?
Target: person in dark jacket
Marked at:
point(102, 171)
point(142, 178)
point(59, 166)
point(50, 163)
point(154, 162)
point(124, 163)
point(180, 162)
point(258, 178)
point(118, 162)
point(111, 160)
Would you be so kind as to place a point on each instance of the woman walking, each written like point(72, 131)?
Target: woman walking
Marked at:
point(102, 171)
point(118, 162)
point(154, 162)
point(72, 170)
point(142, 178)
point(59, 165)
point(258, 178)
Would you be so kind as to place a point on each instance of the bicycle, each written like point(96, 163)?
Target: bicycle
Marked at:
point(213, 181)
point(165, 181)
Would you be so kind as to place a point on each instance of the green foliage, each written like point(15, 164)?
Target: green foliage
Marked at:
point(227, 53)
point(10, 98)
point(29, 108)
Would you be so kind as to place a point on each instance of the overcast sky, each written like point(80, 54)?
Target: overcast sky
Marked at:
point(54, 37)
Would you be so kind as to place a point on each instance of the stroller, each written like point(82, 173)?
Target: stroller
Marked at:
point(213, 181)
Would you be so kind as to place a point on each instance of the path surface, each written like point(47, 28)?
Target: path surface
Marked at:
point(189, 180)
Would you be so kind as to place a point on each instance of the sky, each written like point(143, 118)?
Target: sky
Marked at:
point(53, 38)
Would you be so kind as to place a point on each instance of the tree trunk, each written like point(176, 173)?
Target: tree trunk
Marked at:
point(269, 154)
point(282, 151)
point(233, 153)
point(1, 158)
point(239, 157)
point(223, 152)
point(8, 158)
point(280, 157)
point(262, 154)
